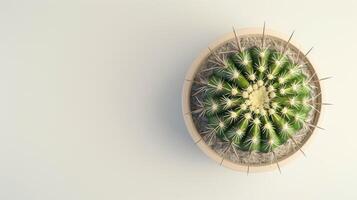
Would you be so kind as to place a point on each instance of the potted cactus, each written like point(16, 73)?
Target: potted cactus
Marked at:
point(252, 100)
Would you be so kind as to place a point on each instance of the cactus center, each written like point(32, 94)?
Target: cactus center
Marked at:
point(258, 97)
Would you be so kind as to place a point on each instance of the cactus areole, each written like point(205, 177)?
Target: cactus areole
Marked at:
point(254, 93)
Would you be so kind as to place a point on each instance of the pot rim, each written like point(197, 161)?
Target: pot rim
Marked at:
point(186, 94)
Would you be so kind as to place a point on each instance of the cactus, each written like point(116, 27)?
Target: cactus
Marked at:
point(257, 98)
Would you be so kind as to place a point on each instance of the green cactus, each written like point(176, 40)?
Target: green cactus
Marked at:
point(257, 99)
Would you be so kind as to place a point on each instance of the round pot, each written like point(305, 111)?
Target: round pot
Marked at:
point(186, 102)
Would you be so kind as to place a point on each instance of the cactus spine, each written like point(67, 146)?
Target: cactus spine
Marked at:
point(257, 98)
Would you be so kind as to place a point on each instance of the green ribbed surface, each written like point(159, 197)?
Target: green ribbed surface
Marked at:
point(257, 99)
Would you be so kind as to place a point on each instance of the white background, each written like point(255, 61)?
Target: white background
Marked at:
point(90, 103)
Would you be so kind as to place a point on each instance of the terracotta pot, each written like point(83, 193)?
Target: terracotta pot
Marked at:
point(186, 93)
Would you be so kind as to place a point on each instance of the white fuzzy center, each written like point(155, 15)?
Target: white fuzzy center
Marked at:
point(258, 97)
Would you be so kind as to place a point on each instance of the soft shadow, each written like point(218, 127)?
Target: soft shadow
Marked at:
point(169, 106)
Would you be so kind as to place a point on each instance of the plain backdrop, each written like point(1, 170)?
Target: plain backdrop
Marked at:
point(90, 104)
